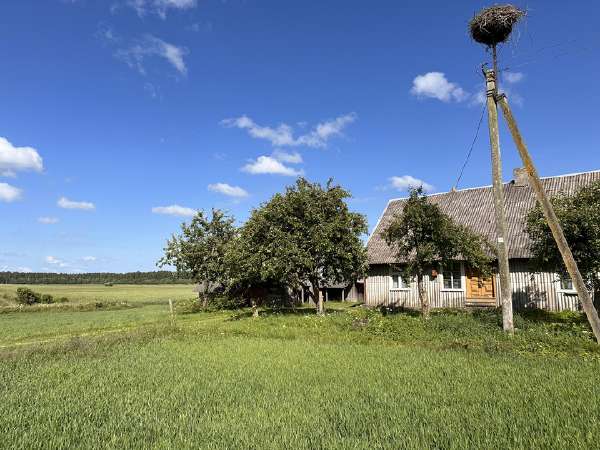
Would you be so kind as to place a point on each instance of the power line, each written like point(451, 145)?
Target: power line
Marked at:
point(462, 170)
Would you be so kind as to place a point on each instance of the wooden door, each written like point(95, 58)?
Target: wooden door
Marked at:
point(479, 287)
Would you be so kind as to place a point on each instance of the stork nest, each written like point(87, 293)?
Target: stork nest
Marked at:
point(493, 25)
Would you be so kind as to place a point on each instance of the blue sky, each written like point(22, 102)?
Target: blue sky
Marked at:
point(120, 117)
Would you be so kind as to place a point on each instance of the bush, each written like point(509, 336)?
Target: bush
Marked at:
point(47, 299)
point(220, 302)
point(215, 303)
point(189, 306)
point(61, 300)
point(26, 296)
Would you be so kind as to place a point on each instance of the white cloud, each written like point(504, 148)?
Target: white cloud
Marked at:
point(280, 136)
point(512, 77)
point(174, 210)
point(65, 203)
point(479, 98)
point(55, 261)
point(6, 268)
point(149, 45)
point(48, 220)
point(290, 158)
point(89, 258)
point(283, 134)
point(328, 129)
point(435, 85)
point(14, 159)
point(406, 182)
point(227, 189)
point(9, 193)
point(160, 7)
point(269, 165)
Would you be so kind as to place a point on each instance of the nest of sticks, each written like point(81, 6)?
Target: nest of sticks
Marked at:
point(493, 25)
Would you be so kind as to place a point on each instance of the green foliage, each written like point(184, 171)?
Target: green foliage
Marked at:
point(306, 234)
point(377, 381)
point(26, 296)
point(579, 216)
point(156, 277)
point(199, 251)
point(46, 299)
point(188, 306)
point(215, 303)
point(424, 237)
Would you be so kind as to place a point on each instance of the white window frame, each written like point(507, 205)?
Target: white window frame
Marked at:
point(463, 282)
point(563, 290)
point(402, 285)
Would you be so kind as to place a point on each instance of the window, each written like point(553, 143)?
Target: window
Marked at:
point(399, 281)
point(566, 284)
point(452, 276)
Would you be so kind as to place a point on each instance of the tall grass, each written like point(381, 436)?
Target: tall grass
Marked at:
point(352, 379)
point(86, 293)
point(224, 391)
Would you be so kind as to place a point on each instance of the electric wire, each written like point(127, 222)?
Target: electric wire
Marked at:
point(462, 170)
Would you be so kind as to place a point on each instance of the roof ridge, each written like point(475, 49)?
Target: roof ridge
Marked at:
point(585, 172)
point(504, 182)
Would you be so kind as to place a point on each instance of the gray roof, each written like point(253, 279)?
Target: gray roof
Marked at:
point(474, 208)
point(212, 287)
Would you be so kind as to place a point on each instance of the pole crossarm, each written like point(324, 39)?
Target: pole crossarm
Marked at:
point(550, 215)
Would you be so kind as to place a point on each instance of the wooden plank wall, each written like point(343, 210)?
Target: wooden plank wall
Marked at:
point(539, 290)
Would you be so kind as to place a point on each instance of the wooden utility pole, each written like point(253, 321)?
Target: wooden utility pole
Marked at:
point(503, 269)
point(557, 232)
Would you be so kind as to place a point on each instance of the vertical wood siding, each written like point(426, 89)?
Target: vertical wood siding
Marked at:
point(529, 290)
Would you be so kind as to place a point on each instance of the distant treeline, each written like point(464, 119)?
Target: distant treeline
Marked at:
point(158, 277)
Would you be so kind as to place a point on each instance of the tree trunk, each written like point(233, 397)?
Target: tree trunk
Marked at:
point(317, 297)
point(205, 296)
point(423, 296)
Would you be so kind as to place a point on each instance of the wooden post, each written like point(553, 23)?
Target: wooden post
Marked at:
point(501, 234)
point(171, 311)
point(557, 232)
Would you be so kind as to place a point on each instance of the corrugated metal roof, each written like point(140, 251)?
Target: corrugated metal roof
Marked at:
point(474, 208)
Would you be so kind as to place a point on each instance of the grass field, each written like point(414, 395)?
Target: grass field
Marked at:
point(352, 379)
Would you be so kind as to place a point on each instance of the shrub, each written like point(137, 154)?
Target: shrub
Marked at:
point(47, 299)
point(189, 306)
point(26, 296)
point(61, 300)
point(220, 302)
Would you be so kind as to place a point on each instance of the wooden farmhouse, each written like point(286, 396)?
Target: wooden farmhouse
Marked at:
point(457, 286)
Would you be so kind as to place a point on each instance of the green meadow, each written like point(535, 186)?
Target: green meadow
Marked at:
point(112, 368)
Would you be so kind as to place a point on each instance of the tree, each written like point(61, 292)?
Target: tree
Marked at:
point(306, 234)
point(424, 237)
point(579, 217)
point(199, 251)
